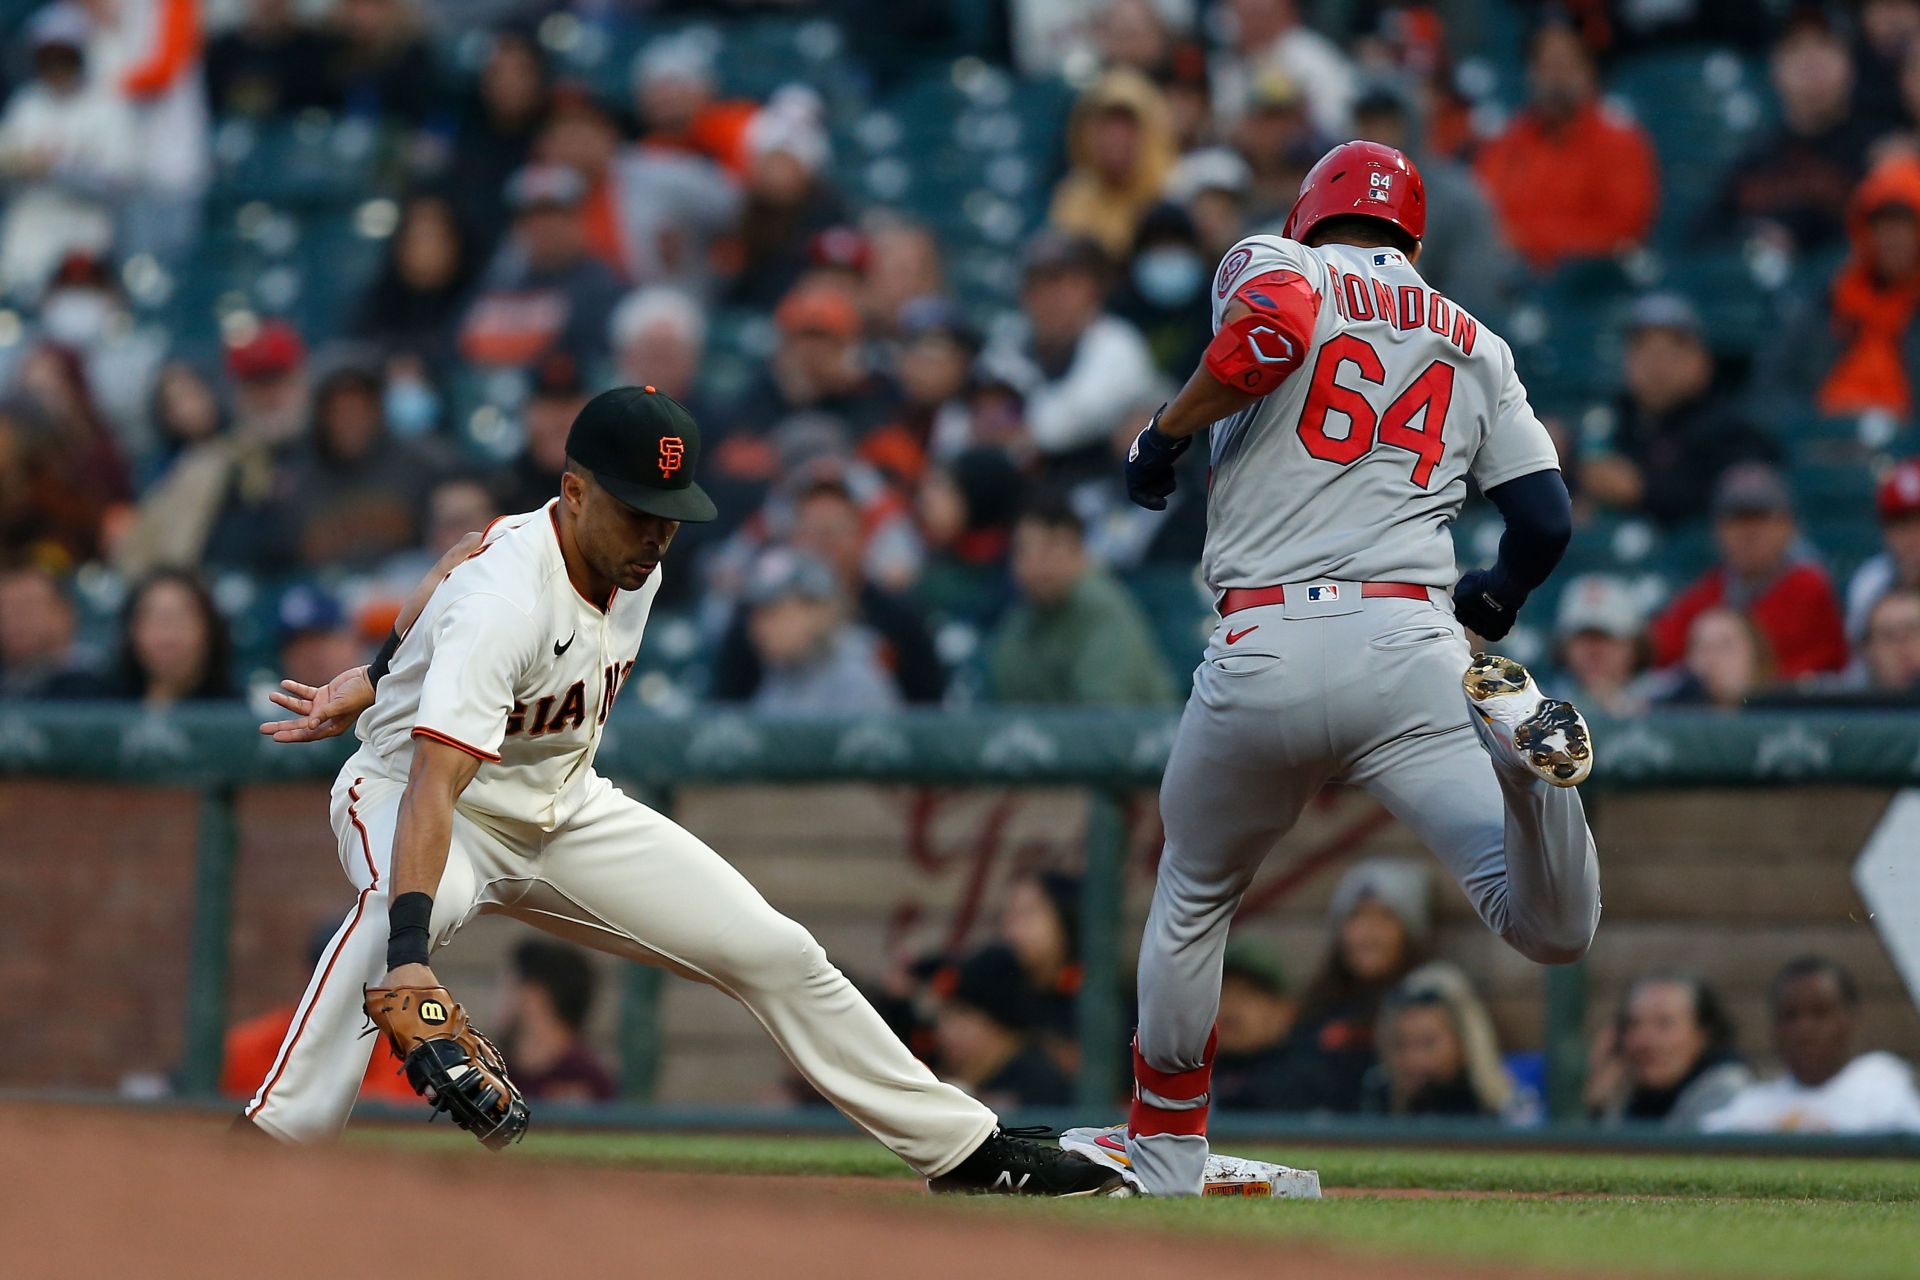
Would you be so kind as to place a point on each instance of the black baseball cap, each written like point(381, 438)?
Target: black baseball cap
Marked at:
point(642, 447)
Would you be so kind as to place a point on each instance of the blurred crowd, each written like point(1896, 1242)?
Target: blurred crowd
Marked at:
point(1383, 1027)
point(917, 480)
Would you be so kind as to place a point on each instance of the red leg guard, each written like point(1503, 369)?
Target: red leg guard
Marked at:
point(1182, 1086)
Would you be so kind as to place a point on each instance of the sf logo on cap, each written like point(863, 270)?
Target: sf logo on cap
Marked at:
point(673, 452)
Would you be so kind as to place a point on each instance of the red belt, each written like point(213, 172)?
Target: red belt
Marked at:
point(1234, 599)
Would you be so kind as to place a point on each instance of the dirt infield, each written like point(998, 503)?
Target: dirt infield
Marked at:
point(98, 1193)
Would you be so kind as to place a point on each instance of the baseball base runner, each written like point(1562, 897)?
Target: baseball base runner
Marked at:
point(1349, 402)
point(473, 792)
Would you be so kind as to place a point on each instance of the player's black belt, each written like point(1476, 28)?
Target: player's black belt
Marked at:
point(1234, 599)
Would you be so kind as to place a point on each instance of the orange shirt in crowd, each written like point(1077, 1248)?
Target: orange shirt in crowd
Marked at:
point(251, 1047)
point(1871, 315)
point(718, 132)
point(1581, 188)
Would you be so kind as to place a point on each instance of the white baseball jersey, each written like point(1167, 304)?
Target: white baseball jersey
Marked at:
point(1355, 467)
point(509, 663)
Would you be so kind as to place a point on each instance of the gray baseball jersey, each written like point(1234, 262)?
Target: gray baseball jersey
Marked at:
point(1355, 467)
point(1350, 471)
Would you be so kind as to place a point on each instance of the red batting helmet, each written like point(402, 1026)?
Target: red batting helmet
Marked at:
point(1363, 178)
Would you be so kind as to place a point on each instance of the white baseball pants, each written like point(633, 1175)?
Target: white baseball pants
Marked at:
point(626, 880)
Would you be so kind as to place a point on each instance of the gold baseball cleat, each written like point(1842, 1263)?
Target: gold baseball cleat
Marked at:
point(1522, 728)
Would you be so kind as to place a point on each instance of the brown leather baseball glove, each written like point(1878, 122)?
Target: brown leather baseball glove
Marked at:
point(448, 1063)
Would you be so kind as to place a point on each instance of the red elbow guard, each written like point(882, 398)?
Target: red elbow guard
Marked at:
point(1260, 350)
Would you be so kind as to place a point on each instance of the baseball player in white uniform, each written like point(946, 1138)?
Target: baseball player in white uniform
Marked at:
point(474, 792)
point(1349, 402)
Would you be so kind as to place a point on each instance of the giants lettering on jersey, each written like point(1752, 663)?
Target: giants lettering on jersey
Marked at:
point(1361, 301)
point(571, 712)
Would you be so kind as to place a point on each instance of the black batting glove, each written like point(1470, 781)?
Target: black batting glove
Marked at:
point(1150, 460)
point(1486, 604)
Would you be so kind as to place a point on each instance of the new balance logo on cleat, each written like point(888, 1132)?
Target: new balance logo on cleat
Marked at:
point(1013, 1164)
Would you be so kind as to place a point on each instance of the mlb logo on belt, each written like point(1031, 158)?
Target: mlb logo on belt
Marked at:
point(1323, 593)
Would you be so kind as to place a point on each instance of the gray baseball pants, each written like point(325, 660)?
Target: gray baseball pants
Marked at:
point(1361, 691)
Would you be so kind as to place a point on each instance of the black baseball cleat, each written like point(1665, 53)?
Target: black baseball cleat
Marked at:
point(1011, 1163)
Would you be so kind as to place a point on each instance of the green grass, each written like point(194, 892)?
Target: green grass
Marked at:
point(1790, 1219)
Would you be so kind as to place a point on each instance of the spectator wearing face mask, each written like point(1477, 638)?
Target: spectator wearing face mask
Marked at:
point(1120, 149)
point(84, 313)
point(1763, 574)
point(1164, 291)
point(1825, 1087)
point(358, 496)
point(1667, 1057)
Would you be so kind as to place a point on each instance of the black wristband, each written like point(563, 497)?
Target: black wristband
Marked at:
point(383, 659)
point(407, 921)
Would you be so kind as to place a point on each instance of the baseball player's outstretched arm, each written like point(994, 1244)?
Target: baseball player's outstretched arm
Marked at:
point(329, 710)
point(421, 835)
